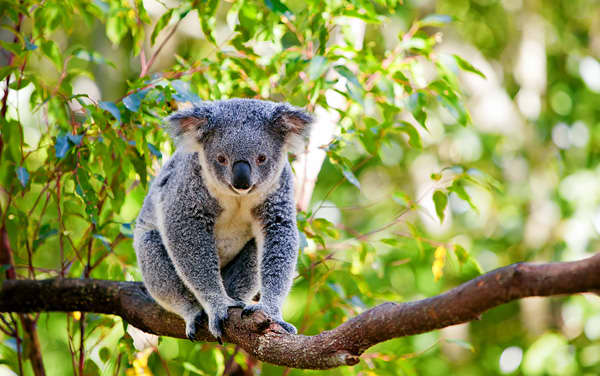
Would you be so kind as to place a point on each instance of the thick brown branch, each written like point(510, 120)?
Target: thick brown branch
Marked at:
point(340, 346)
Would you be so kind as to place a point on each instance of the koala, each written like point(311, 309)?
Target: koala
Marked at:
point(218, 224)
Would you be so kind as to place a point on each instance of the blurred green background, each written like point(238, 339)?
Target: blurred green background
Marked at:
point(457, 137)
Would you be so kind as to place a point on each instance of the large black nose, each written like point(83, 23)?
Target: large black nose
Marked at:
point(241, 175)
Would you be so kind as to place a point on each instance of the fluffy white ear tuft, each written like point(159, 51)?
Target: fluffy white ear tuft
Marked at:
point(187, 127)
point(294, 125)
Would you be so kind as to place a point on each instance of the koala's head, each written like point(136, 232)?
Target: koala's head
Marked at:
point(242, 143)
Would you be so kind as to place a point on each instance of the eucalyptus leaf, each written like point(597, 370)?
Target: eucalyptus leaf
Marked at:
point(23, 176)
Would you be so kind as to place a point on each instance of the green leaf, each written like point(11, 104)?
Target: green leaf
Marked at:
point(52, 51)
point(461, 343)
point(278, 7)
point(317, 67)
point(15, 48)
point(348, 74)
point(23, 176)
point(154, 150)
point(116, 27)
point(416, 104)
point(289, 39)
point(5, 71)
point(160, 24)
point(112, 108)
point(61, 147)
point(461, 254)
point(414, 138)
point(351, 178)
point(192, 368)
point(92, 57)
point(391, 242)
point(440, 200)
point(465, 65)
point(435, 176)
point(458, 188)
point(132, 102)
point(436, 20)
point(401, 198)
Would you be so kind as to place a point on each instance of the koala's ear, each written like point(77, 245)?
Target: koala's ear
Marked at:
point(187, 126)
point(294, 125)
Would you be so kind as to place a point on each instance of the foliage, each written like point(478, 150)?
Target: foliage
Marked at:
point(406, 156)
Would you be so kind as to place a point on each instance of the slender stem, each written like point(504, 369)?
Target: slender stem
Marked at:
point(148, 65)
point(81, 343)
point(60, 227)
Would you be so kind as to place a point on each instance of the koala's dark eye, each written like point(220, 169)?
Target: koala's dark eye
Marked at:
point(221, 159)
point(261, 159)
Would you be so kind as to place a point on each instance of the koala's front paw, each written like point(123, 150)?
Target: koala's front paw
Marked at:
point(275, 316)
point(192, 325)
point(218, 315)
point(287, 326)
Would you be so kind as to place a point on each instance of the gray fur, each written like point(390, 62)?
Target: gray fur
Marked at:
point(204, 246)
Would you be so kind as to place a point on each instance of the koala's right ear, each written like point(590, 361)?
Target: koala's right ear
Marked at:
point(187, 126)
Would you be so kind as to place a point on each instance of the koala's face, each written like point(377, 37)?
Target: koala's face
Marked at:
point(242, 143)
point(243, 159)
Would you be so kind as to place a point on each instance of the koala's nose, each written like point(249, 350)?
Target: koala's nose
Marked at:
point(241, 175)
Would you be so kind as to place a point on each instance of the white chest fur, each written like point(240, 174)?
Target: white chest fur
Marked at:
point(234, 226)
point(232, 231)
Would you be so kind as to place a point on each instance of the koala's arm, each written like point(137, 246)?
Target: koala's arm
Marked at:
point(188, 234)
point(277, 221)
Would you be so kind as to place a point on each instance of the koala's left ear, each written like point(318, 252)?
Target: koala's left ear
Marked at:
point(187, 126)
point(294, 125)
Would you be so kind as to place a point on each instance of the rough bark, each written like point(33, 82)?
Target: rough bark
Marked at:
point(340, 346)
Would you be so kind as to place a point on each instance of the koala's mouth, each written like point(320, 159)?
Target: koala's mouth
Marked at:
point(242, 192)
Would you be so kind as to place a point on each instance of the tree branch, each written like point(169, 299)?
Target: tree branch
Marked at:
point(341, 346)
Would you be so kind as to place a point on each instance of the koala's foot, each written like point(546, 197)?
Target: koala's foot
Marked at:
point(218, 315)
point(249, 310)
point(194, 323)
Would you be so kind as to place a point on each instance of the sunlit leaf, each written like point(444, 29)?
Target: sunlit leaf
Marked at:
point(465, 65)
point(438, 263)
point(51, 50)
point(347, 73)
point(464, 344)
point(349, 175)
point(458, 188)
point(440, 200)
point(278, 7)
point(112, 108)
point(318, 66)
point(160, 24)
point(132, 102)
point(435, 20)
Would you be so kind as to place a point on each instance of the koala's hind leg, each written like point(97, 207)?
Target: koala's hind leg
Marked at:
point(162, 281)
point(240, 276)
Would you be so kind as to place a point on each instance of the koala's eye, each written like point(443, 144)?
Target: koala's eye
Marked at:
point(261, 159)
point(221, 159)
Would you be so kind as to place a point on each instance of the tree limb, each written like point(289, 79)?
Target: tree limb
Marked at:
point(340, 346)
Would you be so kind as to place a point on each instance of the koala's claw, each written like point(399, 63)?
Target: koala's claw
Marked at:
point(216, 323)
point(191, 327)
point(249, 310)
point(288, 327)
